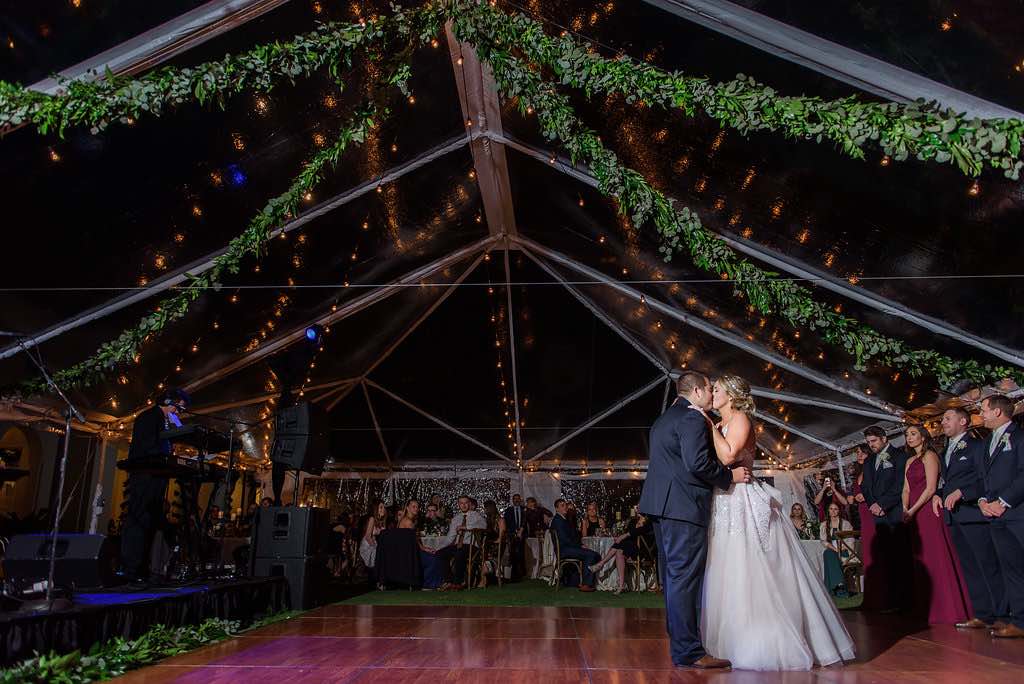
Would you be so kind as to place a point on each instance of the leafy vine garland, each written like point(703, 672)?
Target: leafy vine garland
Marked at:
point(920, 129)
point(682, 228)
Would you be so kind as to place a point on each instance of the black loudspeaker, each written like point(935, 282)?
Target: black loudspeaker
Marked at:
point(301, 438)
point(83, 560)
point(291, 532)
point(307, 577)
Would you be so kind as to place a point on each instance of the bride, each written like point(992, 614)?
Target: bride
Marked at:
point(764, 606)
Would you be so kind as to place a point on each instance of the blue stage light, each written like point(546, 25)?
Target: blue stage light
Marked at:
point(235, 175)
point(312, 334)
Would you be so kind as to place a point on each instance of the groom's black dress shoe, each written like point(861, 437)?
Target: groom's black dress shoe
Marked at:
point(709, 663)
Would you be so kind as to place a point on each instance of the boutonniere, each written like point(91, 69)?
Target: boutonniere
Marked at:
point(1006, 443)
point(960, 446)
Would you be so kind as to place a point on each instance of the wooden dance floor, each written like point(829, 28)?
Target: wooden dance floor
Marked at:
point(432, 644)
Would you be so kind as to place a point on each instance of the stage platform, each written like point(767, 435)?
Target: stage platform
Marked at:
point(128, 612)
point(430, 644)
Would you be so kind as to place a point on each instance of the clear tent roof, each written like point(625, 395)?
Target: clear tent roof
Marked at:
point(98, 216)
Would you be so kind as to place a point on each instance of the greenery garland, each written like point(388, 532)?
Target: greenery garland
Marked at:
point(250, 243)
point(682, 228)
point(920, 129)
point(118, 655)
point(97, 102)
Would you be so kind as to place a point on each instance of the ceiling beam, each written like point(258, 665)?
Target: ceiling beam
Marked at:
point(768, 418)
point(376, 425)
point(828, 58)
point(804, 400)
point(165, 41)
point(510, 317)
point(481, 114)
point(728, 337)
point(201, 265)
point(350, 308)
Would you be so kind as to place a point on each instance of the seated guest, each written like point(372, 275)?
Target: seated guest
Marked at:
point(592, 522)
point(433, 523)
point(536, 517)
point(493, 564)
point(572, 516)
point(834, 552)
point(798, 517)
point(569, 545)
point(398, 550)
point(435, 501)
point(625, 547)
point(459, 540)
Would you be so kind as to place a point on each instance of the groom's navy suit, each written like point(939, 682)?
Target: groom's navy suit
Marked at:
point(681, 475)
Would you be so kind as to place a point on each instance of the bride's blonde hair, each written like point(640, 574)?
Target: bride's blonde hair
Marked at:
point(739, 392)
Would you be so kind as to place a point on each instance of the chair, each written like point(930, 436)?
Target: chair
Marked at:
point(646, 559)
point(556, 576)
point(475, 557)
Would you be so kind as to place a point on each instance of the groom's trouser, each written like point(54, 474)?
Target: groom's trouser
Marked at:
point(682, 552)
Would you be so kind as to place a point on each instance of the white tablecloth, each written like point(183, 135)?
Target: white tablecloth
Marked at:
point(608, 578)
point(540, 557)
point(815, 552)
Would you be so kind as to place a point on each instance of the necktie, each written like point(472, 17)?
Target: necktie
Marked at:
point(949, 451)
point(518, 523)
point(463, 530)
point(993, 442)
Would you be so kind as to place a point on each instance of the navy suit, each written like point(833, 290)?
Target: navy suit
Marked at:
point(515, 520)
point(883, 484)
point(1004, 479)
point(569, 546)
point(969, 529)
point(681, 475)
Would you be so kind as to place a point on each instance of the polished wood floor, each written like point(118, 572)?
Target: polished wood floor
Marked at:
point(429, 645)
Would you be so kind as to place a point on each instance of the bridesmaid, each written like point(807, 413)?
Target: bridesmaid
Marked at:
point(872, 593)
point(938, 580)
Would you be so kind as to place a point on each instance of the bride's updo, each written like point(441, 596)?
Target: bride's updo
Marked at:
point(739, 392)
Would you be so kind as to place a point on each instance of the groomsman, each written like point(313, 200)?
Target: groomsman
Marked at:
point(883, 493)
point(962, 467)
point(1003, 503)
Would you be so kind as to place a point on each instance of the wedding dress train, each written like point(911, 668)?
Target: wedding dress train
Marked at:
point(764, 606)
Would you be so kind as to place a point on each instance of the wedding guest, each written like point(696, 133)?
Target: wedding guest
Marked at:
point(435, 501)
point(569, 545)
point(266, 502)
point(375, 524)
point(571, 515)
point(962, 467)
point(493, 563)
point(625, 547)
point(592, 521)
point(1003, 504)
point(516, 526)
point(798, 516)
point(883, 493)
point(536, 517)
point(835, 552)
point(869, 573)
point(455, 552)
point(827, 495)
point(939, 589)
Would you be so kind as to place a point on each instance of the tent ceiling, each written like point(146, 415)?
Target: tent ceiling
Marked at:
point(138, 201)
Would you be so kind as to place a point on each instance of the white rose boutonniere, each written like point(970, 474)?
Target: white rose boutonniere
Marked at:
point(884, 458)
point(1006, 443)
point(961, 446)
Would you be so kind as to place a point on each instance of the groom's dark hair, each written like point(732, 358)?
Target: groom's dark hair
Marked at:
point(689, 381)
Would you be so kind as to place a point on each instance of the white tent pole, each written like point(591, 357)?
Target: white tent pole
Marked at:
point(712, 330)
point(376, 425)
point(792, 398)
point(447, 426)
point(594, 420)
point(768, 418)
point(205, 263)
point(512, 354)
point(354, 306)
point(789, 266)
point(826, 57)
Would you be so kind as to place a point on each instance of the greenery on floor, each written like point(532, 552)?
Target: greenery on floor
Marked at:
point(115, 657)
point(850, 602)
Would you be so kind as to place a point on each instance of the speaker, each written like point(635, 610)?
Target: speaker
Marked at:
point(301, 438)
point(83, 560)
point(292, 532)
point(307, 578)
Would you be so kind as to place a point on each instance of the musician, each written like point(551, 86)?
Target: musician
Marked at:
point(146, 493)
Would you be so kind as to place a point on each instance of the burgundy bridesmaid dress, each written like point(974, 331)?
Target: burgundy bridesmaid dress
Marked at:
point(872, 593)
point(939, 587)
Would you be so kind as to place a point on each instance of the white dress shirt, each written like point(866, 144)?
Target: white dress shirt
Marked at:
point(474, 520)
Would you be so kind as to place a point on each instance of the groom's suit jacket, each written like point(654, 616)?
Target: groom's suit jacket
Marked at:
point(683, 469)
point(883, 484)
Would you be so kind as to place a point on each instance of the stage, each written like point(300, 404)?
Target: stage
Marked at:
point(129, 612)
point(430, 644)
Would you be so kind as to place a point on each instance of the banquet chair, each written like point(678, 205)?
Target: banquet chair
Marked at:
point(646, 559)
point(556, 575)
point(476, 555)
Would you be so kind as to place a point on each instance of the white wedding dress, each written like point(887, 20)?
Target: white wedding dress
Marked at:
point(764, 607)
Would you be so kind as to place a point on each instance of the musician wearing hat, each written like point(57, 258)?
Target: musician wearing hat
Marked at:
point(145, 492)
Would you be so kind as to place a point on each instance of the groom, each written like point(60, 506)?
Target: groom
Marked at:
point(682, 472)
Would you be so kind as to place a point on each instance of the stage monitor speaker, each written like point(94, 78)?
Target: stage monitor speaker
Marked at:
point(83, 560)
point(307, 578)
point(301, 438)
point(292, 532)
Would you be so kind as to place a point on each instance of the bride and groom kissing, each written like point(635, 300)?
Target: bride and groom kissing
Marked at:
point(730, 564)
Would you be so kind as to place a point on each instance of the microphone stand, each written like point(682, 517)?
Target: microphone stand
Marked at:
point(70, 411)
